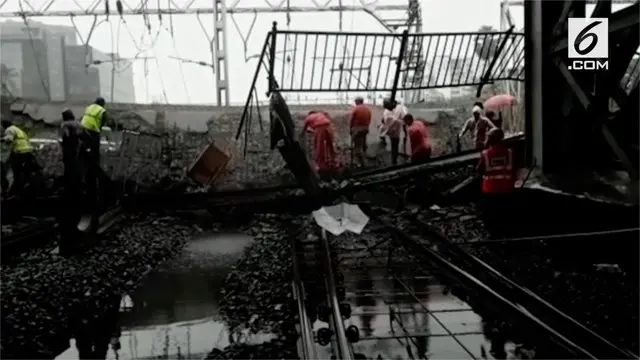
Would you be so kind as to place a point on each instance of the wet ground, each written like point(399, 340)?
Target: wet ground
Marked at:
point(174, 312)
point(402, 311)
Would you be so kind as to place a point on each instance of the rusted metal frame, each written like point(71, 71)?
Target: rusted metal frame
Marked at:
point(284, 62)
point(333, 60)
point(487, 74)
point(453, 46)
point(247, 131)
point(464, 61)
point(398, 68)
point(455, 64)
point(324, 61)
point(272, 58)
point(405, 78)
point(403, 46)
point(253, 86)
point(444, 48)
point(585, 101)
point(519, 46)
point(501, 66)
point(255, 97)
point(364, 47)
point(489, 65)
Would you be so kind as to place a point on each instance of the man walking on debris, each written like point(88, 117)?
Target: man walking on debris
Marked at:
point(21, 158)
point(417, 134)
point(392, 124)
point(93, 120)
point(324, 154)
point(478, 124)
point(69, 130)
point(69, 133)
point(360, 119)
point(498, 179)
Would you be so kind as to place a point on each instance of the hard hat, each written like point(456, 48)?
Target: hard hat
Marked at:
point(496, 134)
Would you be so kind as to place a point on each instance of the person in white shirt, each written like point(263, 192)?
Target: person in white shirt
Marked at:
point(393, 125)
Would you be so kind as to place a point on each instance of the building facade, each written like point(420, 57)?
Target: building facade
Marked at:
point(118, 72)
point(45, 62)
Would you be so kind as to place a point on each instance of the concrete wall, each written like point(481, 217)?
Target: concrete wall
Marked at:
point(196, 117)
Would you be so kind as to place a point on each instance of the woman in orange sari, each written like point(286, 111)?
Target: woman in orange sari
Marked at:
point(324, 154)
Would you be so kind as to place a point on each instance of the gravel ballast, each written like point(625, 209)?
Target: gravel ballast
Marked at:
point(44, 295)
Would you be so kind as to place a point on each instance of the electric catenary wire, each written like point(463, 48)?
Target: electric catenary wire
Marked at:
point(36, 55)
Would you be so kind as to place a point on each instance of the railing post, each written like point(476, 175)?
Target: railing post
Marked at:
point(486, 75)
point(272, 57)
point(403, 46)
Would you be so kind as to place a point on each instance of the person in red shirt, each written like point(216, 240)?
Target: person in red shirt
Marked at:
point(498, 179)
point(417, 134)
point(324, 154)
point(359, 121)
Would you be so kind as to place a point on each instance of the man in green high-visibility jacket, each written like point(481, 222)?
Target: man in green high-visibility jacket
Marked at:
point(21, 157)
point(91, 124)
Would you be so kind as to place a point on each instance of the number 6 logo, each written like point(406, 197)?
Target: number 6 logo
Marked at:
point(588, 38)
point(586, 35)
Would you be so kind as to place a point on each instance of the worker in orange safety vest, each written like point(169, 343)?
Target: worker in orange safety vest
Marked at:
point(498, 179)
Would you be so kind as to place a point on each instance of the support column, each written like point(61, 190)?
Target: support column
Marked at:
point(220, 53)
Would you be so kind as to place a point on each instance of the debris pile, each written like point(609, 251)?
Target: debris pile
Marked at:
point(44, 295)
point(597, 299)
point(257, 295)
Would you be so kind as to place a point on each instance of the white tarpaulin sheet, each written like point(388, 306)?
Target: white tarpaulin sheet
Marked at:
point(340, 218)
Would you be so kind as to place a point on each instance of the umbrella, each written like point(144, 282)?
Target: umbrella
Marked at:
point(339, 218)
point(499, 101)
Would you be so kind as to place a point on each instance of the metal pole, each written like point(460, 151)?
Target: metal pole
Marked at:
point(344, 352)
point(403, 46)
point(272, 57)
point(306, 332)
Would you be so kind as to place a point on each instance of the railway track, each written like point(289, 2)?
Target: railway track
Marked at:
point(412, 292)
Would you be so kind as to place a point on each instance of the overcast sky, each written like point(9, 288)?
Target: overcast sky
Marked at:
point(190, 83)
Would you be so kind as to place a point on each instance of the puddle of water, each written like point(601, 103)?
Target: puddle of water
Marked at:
point(436, 325)
point(174, 313)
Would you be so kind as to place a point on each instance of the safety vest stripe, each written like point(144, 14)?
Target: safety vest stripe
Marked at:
point(496, 177)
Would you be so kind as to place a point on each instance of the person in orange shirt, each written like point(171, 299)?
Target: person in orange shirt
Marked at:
point(417, 134)
point(359, 122)
point(324, 154)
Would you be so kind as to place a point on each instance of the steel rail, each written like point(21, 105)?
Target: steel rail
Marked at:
point(461, 275)
point(343, 347)
point(306, 332)
point(539, 307)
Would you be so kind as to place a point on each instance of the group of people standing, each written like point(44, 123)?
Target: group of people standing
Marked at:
point(395, 122)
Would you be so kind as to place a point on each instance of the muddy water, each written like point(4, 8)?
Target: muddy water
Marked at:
point(174, 313)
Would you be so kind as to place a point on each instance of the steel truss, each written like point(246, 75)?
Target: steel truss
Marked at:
point(572, 126)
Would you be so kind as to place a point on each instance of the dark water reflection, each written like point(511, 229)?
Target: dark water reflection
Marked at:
point(174, 313)
point(400, 323)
